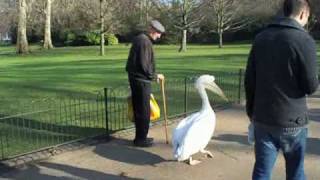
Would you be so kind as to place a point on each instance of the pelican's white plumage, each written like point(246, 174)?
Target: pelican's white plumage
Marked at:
point(194, 132)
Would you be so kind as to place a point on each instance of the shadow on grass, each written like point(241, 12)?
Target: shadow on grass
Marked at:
point(21, 123)
point(54, 171)
point(235, 58)
point(20, 135)
point(123, 151)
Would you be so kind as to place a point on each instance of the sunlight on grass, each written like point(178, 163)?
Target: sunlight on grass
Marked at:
point(68, 70)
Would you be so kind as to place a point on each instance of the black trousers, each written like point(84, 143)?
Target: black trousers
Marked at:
point(140, 92)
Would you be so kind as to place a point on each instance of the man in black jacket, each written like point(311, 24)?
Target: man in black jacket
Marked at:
point(281, 71)
point(141, 71)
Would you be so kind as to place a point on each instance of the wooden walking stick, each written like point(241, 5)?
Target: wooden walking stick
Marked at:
point(164, 110)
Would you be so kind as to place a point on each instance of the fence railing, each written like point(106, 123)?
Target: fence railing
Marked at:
point(49, 122)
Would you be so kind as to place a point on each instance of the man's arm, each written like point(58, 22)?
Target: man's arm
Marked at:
point(308, 67)
point(250, 82)
point(145, 52)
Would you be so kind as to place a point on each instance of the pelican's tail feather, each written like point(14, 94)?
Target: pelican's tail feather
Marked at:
point(175, 148)
point(177, 154)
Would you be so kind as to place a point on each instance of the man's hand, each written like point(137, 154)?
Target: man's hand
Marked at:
point(160, 77)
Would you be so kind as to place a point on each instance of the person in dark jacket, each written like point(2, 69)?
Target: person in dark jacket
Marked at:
point(281, 72)
point(141, 72)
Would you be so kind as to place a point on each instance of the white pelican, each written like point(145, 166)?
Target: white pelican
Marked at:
point(194, 132)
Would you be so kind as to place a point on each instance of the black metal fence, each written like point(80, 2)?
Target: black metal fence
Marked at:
point(49, 122)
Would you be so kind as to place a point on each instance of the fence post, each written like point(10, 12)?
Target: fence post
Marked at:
point(106, 112)
point(185, 97)
point(240, 85)
point(2, 147)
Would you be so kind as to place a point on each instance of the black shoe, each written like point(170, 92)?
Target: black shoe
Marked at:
point(143, 143)
point(150, 140)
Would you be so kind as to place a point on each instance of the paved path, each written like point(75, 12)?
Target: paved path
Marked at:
point(117, 159)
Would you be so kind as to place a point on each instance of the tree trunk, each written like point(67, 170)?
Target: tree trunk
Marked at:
point(22, 42)
point(183, 43)
point(47, 33)
point(141, 6)
point(147, 12)
point(102, 40)
point(220, 39)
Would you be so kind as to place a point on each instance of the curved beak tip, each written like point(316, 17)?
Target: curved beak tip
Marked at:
point(216, 89)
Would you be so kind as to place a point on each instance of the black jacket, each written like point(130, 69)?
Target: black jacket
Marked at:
point(281, 71)
point(140, 64)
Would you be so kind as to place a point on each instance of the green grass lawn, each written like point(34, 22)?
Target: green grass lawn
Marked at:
point(81, 70)
point(68, 70)
point(62, 71)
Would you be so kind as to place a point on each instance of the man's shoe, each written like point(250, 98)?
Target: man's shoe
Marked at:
point(143, 143)
point(150, 140)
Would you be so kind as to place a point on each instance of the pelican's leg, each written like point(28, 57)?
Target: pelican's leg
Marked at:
point(208, 153)
point(193, 162)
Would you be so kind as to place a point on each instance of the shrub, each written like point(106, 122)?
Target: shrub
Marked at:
point(70, 37)
point(80, 38)
point(111, 39)
point(93, 38)
point(5, 43)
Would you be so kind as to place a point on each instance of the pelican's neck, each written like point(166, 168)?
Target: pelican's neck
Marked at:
point(204, 97)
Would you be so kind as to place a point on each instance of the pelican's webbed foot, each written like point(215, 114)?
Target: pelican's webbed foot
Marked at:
point(193, 162)
point(208, 153)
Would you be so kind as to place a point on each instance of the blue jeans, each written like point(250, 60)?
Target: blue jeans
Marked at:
point(267, 145)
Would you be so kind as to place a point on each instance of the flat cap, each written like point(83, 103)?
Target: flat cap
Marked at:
point(156, 25)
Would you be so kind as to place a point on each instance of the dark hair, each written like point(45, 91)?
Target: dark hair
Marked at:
point(294, 7)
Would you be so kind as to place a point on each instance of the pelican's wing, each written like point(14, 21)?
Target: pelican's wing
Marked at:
point(182, 128)
point(197, 136)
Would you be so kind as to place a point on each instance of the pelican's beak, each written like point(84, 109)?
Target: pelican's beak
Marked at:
point(216, 89)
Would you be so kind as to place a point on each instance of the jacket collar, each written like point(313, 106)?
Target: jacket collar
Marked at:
point(287, 22)
point(148, 36)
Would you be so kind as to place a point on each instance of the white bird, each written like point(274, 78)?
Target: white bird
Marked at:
point(194, 132)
